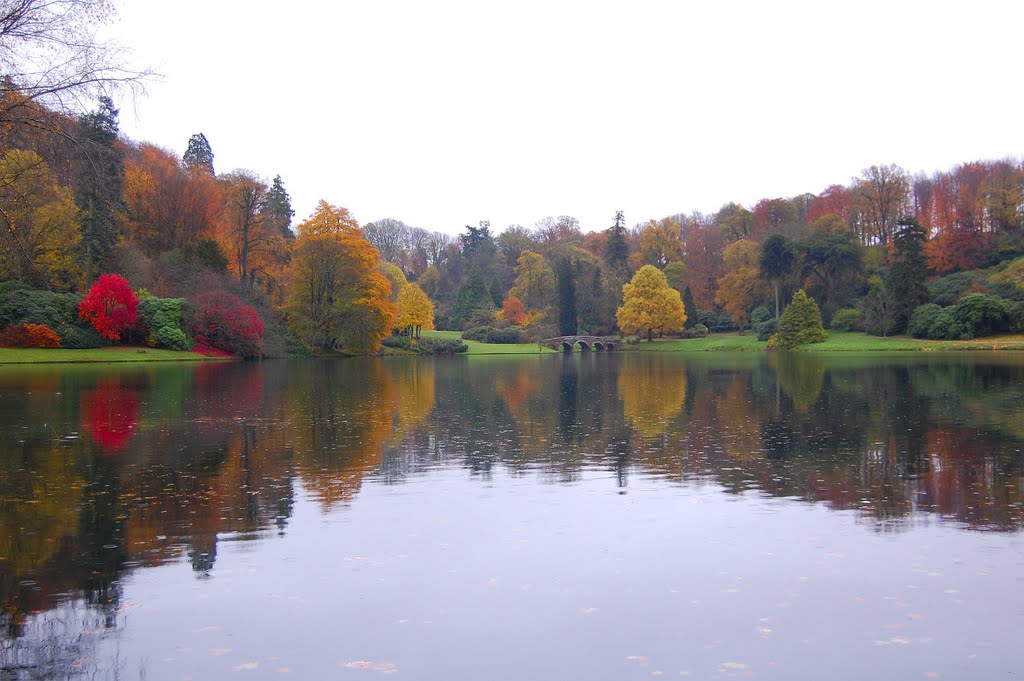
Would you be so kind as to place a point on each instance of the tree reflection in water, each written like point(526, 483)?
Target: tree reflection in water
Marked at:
point(176, 459)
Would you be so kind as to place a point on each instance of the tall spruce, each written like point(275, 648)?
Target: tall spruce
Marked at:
point(99, 181)
point(616, 249)
point(565, 282)
point(909, 269)
point(279, 207)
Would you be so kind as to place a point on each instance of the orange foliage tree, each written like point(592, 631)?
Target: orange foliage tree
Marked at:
point(336, 297)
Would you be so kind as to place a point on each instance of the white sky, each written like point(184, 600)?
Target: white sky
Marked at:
point(442, 114)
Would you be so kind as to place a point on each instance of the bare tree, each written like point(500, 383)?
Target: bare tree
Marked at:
point(51, 56)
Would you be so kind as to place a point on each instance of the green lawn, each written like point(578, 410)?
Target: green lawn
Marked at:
point(116, 354)
point(838, 341)
point(477, 348)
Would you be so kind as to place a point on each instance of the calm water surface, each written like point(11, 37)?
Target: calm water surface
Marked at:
point(592, 517)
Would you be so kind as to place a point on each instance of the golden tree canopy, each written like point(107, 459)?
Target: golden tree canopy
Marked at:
point(649, 305)
point(415, 311)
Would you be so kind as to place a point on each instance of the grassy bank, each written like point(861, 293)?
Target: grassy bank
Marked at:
point(838, 341)
point(116, 354)
point(477, 348)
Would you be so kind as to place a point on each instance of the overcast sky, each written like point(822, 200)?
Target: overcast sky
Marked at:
point(442, 114)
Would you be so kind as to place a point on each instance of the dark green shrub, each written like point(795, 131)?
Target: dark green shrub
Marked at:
point(759, 314)
point(477, 333)
point(846, 319)
point(59, 311)
point(922, 318)
point(947, 327)
point(717, 322)
point(1016, 311)
point(800, 323)
point(504, 336)
point(766, 329)
point(397, 342)
point(172, 339)
point(440, 346)
point(945, 291)
point(696, 331)
point(982, 315)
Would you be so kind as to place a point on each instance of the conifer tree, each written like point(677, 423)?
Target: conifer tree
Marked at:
point(98, 185)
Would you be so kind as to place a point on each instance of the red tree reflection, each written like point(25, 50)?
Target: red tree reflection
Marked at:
point(110, 414)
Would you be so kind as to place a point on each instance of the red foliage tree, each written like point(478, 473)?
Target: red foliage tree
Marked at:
point(110, 306)
point(29, 336)
point(223, 322)
point(514, 310)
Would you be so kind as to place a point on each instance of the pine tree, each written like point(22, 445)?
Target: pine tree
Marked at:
point(497, 295)
point(98, 185)
point(909, 269)
point(616, 250)
point(199, 155)
point(279, 207)
point(471, 295)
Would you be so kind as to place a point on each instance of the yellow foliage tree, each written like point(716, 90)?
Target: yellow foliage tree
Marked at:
point(38, 227)
point(397, 278)
point(742, 284)
point(337, 298)
point(415, 311)
point(649, 305)
point(535, 281)
point(660, 242)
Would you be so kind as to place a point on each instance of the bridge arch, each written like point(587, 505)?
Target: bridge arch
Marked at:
point(566, 346)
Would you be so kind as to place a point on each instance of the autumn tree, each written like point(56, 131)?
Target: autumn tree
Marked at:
point(248, 235)
point(881, 195)
point(395, 275)
point(514, 311)
point(659, 242)
point(535, 281)
point(741, 286)
point(649, 305)
point(38, 227)
point(168, 207)
point(388, 236)
point(336, 297)
point(110, 306)
point(415, 311)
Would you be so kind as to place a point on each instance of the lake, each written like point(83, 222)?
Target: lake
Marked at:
point(595, 516)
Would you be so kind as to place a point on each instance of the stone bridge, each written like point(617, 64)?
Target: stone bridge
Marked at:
point(586, 343)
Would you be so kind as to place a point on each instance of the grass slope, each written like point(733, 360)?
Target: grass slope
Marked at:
point(116, 354)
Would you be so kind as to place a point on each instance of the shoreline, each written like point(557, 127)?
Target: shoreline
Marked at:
point(842, 342)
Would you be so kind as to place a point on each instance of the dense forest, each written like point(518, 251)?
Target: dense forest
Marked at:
point(107, 239)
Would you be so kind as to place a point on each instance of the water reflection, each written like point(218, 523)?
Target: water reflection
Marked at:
point(105, 470)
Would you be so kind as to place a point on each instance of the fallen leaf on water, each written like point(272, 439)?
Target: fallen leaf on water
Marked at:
point(284, 670)
point(220, 651)
point(588, 611)
point(203, 630)
point(247, 667)
point(381, 667)
point(639, 659)
point(731, 666)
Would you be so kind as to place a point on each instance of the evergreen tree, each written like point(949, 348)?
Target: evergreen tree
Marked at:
point(880, 309)
point(800, 323)
point(497, 295)
point(616, 250)
point(909, 269)
point(691, 308)
point(471, 295)
point(279, 207)
point(566, 288)
point(199, 155)
point(98, 185)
